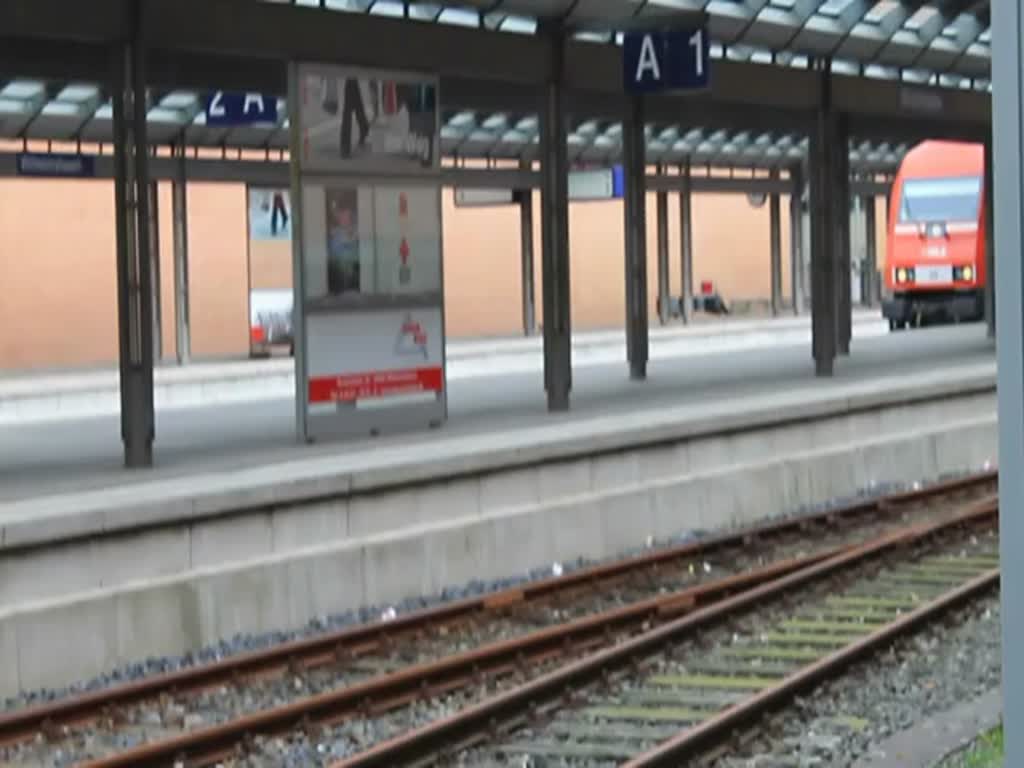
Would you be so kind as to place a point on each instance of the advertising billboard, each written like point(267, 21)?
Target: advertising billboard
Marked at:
point(370, 309)
point(353, 121)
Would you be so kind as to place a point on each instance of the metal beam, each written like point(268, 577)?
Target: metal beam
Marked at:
point(871, 292)
point(841, 199)
point(275, 173)
point(526, 273)
point(686, 242)
point(661, 226)
point(179, 212)
point(635, 231)
point(990, 256)
point(1008, 171)
point(134, 266)
point(823, 227)
point(796, 238)
point(775, 243)
point(555, 289)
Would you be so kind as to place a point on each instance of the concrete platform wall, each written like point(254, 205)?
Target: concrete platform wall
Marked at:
point(168, 590)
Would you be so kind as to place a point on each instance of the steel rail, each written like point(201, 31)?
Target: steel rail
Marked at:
point(693, 741)
point(386, 692)
point(472, 724)
point(23, 725)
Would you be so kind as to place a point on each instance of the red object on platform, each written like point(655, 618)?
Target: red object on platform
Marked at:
point(357, 386)
point(257, 335)
point(707, 287)
point(403, 251)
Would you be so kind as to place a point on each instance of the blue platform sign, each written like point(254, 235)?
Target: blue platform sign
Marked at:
point(56, 165)
point(665, 60)
point(231, 108)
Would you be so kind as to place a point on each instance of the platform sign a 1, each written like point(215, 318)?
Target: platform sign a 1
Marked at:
point(676, 59)
point(370, 346)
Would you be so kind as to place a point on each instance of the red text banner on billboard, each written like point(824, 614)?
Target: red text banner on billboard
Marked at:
point(355, 121)
point(368, 251)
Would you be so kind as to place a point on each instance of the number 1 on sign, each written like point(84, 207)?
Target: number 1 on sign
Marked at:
point(697, 41)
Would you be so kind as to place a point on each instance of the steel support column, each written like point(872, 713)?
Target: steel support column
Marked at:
point(990, 246)
point(822, 162)
point(154, 251)
point(634, 166)
point(1008, 173)
point(775, 238)
point(796, 238)
point(686, 243)
point(179, 212)
point(555, 230)
point(134, 264)
point(664, 291)
point(526, 260)
point(870, 297)
point(843, 260)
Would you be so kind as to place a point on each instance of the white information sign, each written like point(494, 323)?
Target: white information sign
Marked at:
point(374, 355)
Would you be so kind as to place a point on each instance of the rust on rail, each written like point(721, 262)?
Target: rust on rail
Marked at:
point(473, 723)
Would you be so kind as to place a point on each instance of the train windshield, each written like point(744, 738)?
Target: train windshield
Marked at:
point(948, 199)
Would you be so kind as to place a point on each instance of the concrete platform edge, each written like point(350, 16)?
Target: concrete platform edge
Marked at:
point(48, 520)
point(171, 616)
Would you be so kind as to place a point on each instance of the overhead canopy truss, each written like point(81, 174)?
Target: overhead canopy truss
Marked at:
point(82, 113)
point(901, 69)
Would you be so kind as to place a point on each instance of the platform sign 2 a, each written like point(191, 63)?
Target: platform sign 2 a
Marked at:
point(370, 354)
point(230, 108)
point(665, 60)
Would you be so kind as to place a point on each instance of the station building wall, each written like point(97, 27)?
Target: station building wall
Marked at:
point(58, 279)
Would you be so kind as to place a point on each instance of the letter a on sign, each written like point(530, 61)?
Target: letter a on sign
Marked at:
point(647, 61)
point(253, 99)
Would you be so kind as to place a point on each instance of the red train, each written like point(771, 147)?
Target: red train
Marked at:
point(935, 249)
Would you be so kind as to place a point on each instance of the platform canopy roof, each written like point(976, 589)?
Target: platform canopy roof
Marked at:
point(938, 46)
point(920, 40)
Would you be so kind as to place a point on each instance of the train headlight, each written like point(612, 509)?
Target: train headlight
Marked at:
point(968, 273)
point(901, 275)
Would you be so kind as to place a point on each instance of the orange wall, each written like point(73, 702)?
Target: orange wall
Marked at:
point(57, 266)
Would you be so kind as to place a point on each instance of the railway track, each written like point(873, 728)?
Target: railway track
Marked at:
point(479, 645)
point(669, 695)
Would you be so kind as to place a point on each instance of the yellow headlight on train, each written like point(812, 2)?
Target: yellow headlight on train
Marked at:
point(901, 275)
point(968, 273)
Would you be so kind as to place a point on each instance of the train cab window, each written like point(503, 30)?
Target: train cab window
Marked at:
point(941, 199)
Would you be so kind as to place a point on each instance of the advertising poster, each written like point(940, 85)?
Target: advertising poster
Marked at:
point(408, 239)
point(270, 214)
point(351, 121)
point(341, 213)
point(270, 318)
point(371, 240)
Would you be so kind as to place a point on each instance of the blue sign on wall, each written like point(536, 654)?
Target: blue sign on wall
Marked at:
point(229, 108)
point(662, 60)
point(56, 166)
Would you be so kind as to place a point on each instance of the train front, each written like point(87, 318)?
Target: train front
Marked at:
point(935, 265)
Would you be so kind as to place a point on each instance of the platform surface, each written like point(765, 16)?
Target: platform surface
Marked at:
point(52, 465)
